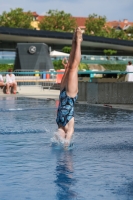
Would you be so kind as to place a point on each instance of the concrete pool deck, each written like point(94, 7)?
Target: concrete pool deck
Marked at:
point(34, 92)
point(39, 93)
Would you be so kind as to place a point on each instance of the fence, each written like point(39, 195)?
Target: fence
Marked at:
point(35, 82)
point(49, 78)
point(33, 78)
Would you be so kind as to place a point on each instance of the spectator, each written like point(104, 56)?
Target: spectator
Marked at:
point(11, 83)
point(1, 81)
point(129, 68)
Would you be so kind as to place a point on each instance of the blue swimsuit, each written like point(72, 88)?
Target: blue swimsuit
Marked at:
point(66, 108)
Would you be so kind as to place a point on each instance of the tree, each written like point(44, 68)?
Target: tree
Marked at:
point(95, 25)
point(57, 64)
point(58, 21)
point(66, 49)
point(109, 52)
point(129, 32)
point(119, 34)
point(16, 19)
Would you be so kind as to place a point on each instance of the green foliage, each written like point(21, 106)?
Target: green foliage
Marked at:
point(94, 25)
point(130, 30)
point(119, 34)
point(114, 67)
point(109, 51)
point(58, 21)
point(16, 19)
point(66, 49)
point(58, 64)
point(83, 66)
point(5, 67)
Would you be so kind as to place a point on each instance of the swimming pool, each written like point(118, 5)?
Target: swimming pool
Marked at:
point(99, 167)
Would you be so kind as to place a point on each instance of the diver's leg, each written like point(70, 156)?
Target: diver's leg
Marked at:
point(72, 77)
point(71, 57)
point(72, 82)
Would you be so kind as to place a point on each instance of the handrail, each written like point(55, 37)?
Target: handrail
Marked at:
point(30, 74)
point(79, 72)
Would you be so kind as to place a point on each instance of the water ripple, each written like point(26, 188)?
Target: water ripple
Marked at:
point(99, 167)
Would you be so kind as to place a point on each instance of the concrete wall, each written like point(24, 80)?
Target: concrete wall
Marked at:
point(82, 95)
point(106, 93)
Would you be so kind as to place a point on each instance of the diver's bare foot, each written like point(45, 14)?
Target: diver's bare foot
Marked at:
point(66, 144)
point(79, 35)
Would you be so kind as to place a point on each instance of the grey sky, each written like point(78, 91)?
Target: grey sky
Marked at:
point(112, 9)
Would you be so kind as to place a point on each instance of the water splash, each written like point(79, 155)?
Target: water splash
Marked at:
point(61, 143)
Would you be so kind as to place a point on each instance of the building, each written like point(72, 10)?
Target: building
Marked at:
point(91, 45)
point(118, 25)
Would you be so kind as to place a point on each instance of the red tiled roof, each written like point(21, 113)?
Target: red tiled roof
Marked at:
point(130, 23)
point(80, 21)
point(112, 24)
point(35, 14)
point(40, 18)
point(121, 24)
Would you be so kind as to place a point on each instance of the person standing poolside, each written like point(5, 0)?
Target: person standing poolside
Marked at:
point(69, 91)
point(11, 82)
point(129, 68)
point(1, 81)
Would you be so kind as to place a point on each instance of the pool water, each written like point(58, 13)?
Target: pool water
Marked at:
point(98, 167)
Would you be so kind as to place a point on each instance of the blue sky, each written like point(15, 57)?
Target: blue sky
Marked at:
point(112, 9)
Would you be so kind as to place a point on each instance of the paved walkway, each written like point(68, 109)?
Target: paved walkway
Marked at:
point(34, 92)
